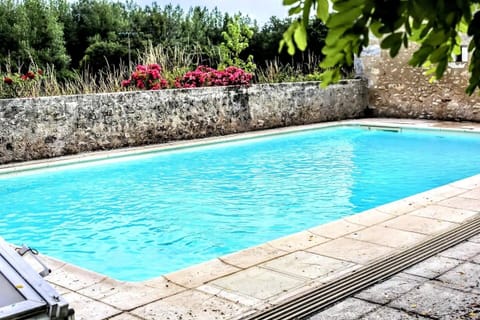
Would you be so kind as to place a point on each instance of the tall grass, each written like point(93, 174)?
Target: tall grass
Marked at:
point(175, 61)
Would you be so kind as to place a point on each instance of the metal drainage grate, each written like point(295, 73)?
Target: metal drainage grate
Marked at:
point(312, 302)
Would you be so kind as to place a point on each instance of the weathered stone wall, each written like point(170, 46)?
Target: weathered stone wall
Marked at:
point(36, 128)
point(400, 91)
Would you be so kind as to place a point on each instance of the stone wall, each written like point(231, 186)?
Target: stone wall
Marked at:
point(36, 128)
point(400, 91)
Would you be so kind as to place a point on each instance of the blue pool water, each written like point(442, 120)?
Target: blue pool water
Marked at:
point(138, 218)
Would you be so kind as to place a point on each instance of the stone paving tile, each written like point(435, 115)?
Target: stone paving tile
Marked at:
point(418, 224)
point(189, 305)
point(350, 308)
point(474, 194)
point(252, 256)
point(61, 290)
point(463, 251)
point(298, 241)
point(464, 277)
point(432, 299)
point(468, 183)
point(386, 291)
point(402, 206)
point(230, 295)
point(462, 203)
point(336, 229)
point(258, 282)
point(74, 278)
point(199, 274)
point(369, 218)
point(385, 313)
point(443, 192)
point(444, 213)
point(125, 316)
point(476, 259)
point(306, 264)
point(352, 250)
point(127, 296)
point(384, 236)
point(89, 309)
point(475, 239)
point(433, 267)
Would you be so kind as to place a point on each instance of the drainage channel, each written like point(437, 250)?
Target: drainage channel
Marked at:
point(311, 302)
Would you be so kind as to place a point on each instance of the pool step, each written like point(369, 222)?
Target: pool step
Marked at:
point(312, 302)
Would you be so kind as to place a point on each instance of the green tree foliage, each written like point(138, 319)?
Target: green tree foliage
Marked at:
point(264, 43)
point(236, 39)
point(30, 31)
point(435, 25)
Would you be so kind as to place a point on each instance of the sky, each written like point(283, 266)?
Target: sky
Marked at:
point(260, 10)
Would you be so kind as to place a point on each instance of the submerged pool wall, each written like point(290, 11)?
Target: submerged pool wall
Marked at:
point(45, 127)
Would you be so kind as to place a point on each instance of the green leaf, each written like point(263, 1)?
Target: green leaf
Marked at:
point(300, 37)
point(391, 40)
point(306, 12)
point(289, 2)
point(420, 56)
point(295, 10)
point(441, 67)
point(322, 10)
point(441, 53)
point(344, 18)
point(345, 5)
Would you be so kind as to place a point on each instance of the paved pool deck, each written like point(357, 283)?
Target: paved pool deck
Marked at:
point(445, 286)
point(242, 283)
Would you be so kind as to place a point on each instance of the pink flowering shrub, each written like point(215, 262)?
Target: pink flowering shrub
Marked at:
point(147, 77)
point(205, 76)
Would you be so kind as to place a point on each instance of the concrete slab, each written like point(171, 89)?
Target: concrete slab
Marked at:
point(348, 309)
point(127, 296)
point(307, 265)
point(201, 273)
point(433, 267)
point(234, 296)
point(474, 194)
point(352, 250)
point(258, 282)
point(476, 259)
point(384, 236)
point(433, 300)
point(475, 239)
point(385, 313)
point(463, 251)
point(336, 229)
point(252, 256)
point(74, 278)
point(89, 309)
point(298, 241)
point(418, 224)
point(369, 217)
point(462, 203)
point(464, 277)
point(390, 289)
point(125, 316)
point(403, 206)
point(444, 213)
point(189, 305)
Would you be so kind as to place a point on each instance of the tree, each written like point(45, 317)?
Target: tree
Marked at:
point(30, 32)
point(435, 25)
point(236, 39)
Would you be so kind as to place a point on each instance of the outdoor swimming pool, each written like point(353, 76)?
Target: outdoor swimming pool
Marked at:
point(140, 217)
